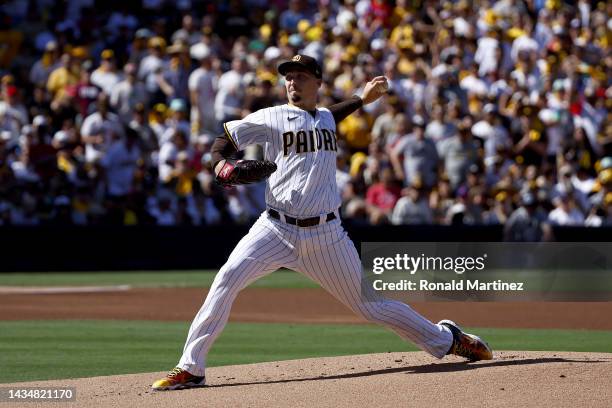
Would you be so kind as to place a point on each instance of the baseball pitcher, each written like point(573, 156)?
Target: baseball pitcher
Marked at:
point(301, 228)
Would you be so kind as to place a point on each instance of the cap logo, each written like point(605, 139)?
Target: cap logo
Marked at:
point(297, 58)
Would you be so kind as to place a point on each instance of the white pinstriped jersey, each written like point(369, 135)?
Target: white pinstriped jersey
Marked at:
point(304, 185)
point(304, 149)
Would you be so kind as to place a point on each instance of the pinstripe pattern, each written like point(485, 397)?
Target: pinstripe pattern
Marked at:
point(329, 257)
point(324, 254)
point(262, 251)
point(304, 185)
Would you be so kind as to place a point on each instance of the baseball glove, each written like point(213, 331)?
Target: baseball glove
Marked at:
point(244, 172)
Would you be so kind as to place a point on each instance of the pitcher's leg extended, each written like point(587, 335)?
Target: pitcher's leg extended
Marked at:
point(259, 253)
point(332, 260)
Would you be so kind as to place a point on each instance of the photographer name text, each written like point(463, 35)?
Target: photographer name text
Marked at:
point(452, 285)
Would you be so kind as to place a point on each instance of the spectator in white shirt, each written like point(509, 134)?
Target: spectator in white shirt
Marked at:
point(152, 66)
point(491, 131)
point(524, 43)
point(99, 130)
point(120, 163)
point(413, 207)
point(23, 169)
point(10, 106)
point(202, 95)
point(472, 84)
point(230, 93)
point(128, 93)
point(106, 76)
point(488, 53)
point(565, 212)
point(169, 152)
point(439, 128)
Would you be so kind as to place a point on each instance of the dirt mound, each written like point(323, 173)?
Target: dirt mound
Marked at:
point(374, 380)
point(290, 306)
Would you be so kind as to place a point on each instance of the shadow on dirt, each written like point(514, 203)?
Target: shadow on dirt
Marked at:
point(422, 369)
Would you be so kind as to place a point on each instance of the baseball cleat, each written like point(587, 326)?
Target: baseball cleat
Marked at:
point(467, 345)
point(178, 379)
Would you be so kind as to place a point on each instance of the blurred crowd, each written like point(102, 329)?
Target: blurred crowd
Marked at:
point(498, 111)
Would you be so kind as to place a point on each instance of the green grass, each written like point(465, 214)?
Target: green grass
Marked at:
point(37, 350)
point(147, 279)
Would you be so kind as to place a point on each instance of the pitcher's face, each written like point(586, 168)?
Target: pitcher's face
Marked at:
point(302, 86)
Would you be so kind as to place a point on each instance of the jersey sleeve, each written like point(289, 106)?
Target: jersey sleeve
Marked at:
point(342, 109)
point(253, 129)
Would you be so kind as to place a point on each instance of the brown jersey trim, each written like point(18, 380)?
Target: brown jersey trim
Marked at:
point(230, 136)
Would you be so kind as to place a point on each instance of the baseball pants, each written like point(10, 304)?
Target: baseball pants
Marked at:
point(323, 253)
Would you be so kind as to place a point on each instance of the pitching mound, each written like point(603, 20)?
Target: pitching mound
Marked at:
point(374, 380)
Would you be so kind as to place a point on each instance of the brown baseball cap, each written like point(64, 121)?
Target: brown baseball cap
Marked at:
point(301, 61)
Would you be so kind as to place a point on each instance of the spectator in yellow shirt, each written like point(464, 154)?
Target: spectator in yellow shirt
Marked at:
point(355, 129)
point(61, 78)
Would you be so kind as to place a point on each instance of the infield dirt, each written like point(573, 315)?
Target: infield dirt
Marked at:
point(526, 379)
point(292, 306)
point(513, 379)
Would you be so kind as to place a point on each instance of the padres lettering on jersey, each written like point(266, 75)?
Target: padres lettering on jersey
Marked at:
point(304, 149)
point(309, 141)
